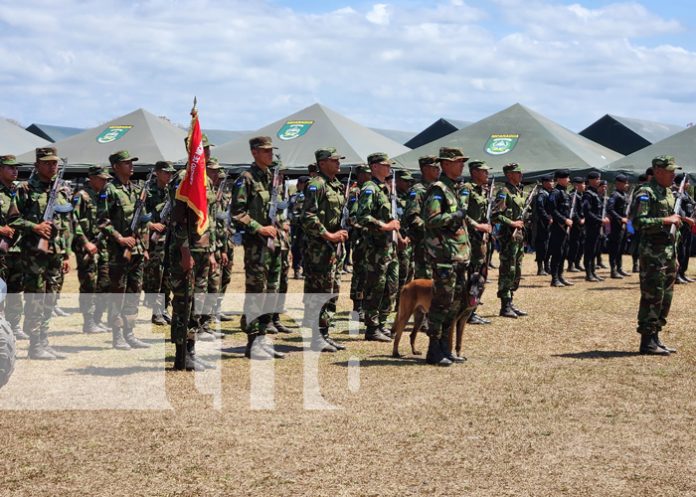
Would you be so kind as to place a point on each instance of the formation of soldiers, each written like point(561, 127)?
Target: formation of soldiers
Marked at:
point(127, 237)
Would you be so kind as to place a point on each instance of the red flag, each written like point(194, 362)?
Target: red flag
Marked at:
point(192, 188)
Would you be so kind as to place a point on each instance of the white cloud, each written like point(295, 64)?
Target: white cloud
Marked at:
point(84, 62)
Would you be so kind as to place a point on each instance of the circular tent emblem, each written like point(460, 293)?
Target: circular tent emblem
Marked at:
point(499, 144)
point(113, 133)
point(294, 129)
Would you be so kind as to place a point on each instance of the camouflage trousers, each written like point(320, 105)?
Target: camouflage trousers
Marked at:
point(405, 257)
point(262, 279)
point(658, 272)
point(322, 270)
point(479, 250)
point(156, 272)
point(126, 283)
point(226, 277)
point(41, 285)
point(357, 283)
point(449, 294)
point(189, 291)
point(510, 272)
point(422, 266)
point(12, 271)
point(381, 283)
point(93, 274)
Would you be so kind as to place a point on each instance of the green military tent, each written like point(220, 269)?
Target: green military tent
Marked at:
point(397, 135)
point(682, 146)
point(143, 134)
point(518, 134)
point(298, 135)
point(626, 135)
point(16, 140)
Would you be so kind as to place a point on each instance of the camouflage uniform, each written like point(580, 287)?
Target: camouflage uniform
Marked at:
point(11, 269)
point(509, 205)
point(42, 270)
point(223, 241)
point(321, 213)
point(405, 255)
point(449, 250)
point(297, 237)
point(156, 271)
point(658, 260)
point(382, 264)
point(92, 270)
point(415, 227)
point(357, 242)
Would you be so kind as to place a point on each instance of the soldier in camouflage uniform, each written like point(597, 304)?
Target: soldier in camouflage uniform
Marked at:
point(251, 198)
point(404, 180)
point(655, 218)
point(43, 268)
point(296, 233)
point(376, 217)
point(225, 232)
point(430, 172)
point(321, 223)
point(356, 234)
point(478, 225)
point(447, 241)
point(510, 200)
point(11, 261)
point(90, 251)
point(126, 250)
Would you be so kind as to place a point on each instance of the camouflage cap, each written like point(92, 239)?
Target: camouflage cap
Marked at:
point(428, 160)
point(379, 158)
point(206, 142)
point(261, 142)
point(451, 153)
point(404, 175)
point(8, 160)
point(665, 162)
point(327, 153)
point(47, 153)
point(213, 163)
point(98, 171)
point(121, 156)
point(512, 167)
point(363, 168)
point(478, 164)
point(164, 165)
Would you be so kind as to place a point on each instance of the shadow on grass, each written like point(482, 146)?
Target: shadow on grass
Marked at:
point(598, 354)
point(70, 349)
point(533, 286)
point(386, 360)
point(114, 372)
point(604, 288)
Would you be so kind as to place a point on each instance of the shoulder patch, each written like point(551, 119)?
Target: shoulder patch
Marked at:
point(368, 192)
point(644, 197)
point(412, 194)
point(437, 197)
point(313, 188)
point(502, 196)
point(464, 193)
point(239, 182)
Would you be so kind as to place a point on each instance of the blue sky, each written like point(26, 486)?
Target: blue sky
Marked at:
point(398, 65)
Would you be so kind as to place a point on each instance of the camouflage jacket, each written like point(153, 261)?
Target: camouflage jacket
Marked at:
point(223, 230)
point(653, 203)
point(509, 204)
point(415, 226)
point(121, 200)
point(401, 203)
point(251, 200)
point(156, 199)
point(90, 211)
point(32, 198)
point(323, 206)
point(446, 236)
point(374, 209)
point(477, 204)
point(353, 195)
point(295, 206)
point(9, 211)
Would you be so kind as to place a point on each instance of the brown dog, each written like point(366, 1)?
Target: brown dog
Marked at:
point(417, 295)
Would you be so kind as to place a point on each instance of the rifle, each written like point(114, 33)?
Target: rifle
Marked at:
point(344, 215)
point(489, 209)
point(627, 211)
point(97, 238)
point(604, 213)
point(164, 218)
point(572, 210)
point(677, 207)
point(395, 236)
point(527, 207)
point(273, 208)
point(135, 220)
point(50, 210)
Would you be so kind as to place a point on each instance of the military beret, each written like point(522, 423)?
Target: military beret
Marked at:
point(164, 165)
point(121, 156)
point(327, 153)
point(98, 171)
point(379, 158)
point(303, 179)
point(512, 167)
point(621, 178)
point(312, 168)
point(603, 183)
point(261, 142)
point(8, 160)
point(561, 173)
point(427, 160)
point(47, 153)
point(642, 178)
point(665, 162)
point(451, 153)
point(546, 177)
point(593, 175)
point(478, 164)
point(578, 179)
point(404, 175)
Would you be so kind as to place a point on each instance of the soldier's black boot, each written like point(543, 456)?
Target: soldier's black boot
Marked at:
point(131, 339)
point(191, 350)
point(190, 362)
point(89, 326)
point(37, 352)
point(375, 335)
point(254, 348)
point(615, 274)
point(662, 345)
point(320, 344)
point(280, 326)
point(331, 341)
point(117, 340)
point(516, 309)
point(435, 355)
point(506, 309)
point(267, 325)
point(547, 267)
point(180, 357)
point(648, 346)
point(540, 269)
point(19, 334)
point(619, 268)
point(555, 281)
point(565, 281)
point(572, 268)
point(43, 337)
point(446, 347)
point(589, 276)
point(99, 309)
point(635, 269)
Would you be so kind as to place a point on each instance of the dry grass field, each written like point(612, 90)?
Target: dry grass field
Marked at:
point(557, 403)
